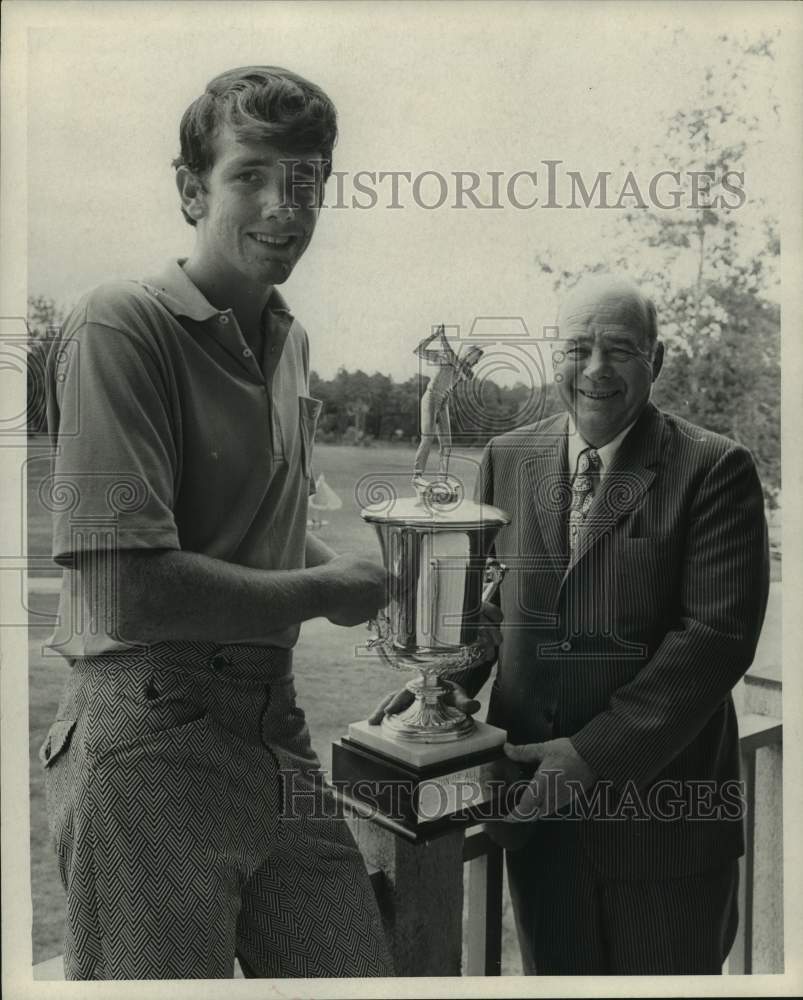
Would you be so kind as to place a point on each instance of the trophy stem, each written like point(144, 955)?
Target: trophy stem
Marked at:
point(428, 719)
point(428, 686)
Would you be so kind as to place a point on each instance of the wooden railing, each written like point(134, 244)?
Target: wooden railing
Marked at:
point(757, 732)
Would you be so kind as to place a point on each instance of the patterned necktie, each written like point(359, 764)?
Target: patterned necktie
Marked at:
point(583, 484)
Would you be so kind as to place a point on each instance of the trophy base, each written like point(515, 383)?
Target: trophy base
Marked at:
point(421, 790)
point(444, 725)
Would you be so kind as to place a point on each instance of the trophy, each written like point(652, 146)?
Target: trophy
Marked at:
point(436, 546)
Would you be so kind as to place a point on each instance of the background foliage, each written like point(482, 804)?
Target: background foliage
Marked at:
point(712, 270)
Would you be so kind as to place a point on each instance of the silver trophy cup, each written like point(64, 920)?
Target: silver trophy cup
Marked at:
point(436, 546)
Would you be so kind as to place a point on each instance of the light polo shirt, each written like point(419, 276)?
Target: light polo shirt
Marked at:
point(171, 434)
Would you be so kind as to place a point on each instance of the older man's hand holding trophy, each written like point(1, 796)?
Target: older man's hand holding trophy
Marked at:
point(439, 623)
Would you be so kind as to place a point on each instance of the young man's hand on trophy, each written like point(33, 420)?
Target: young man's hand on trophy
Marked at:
point(454, 694)
point(355, 589)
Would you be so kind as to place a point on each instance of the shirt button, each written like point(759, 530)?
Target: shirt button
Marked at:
point(566, 647)
point(248, 353)
point(223, 319)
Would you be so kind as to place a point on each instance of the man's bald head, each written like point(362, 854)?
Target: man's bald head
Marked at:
point(609, 355)
point(608, 298)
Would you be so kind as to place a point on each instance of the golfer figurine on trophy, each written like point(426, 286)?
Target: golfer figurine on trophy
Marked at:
point(435, 418)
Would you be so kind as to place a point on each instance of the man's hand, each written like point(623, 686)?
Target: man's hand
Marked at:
point(355, 589)
point(489, 637)
point(560, 773)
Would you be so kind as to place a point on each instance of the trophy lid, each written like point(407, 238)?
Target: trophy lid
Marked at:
point(418, 512)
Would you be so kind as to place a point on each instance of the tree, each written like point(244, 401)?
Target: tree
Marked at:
point(44, 321)
point(711, 270)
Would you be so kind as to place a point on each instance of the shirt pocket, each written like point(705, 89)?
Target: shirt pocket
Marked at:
point(308, 412)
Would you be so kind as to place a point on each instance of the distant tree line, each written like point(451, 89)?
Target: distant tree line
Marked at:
point(360, 408)
point(726, 379)
point(44, 320)
point(730, 384)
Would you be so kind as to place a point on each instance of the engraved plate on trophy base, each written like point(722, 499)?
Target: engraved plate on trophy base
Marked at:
point(425, 789)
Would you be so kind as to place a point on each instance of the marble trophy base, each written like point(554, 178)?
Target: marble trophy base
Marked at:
point(421, 789)
point(482, 737)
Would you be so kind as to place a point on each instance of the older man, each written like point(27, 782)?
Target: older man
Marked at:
point(634, 600)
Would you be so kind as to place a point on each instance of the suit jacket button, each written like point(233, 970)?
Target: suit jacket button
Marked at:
point(566, 647)
point(219, 662)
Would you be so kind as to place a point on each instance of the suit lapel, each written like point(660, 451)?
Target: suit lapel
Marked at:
point(626, 482)
point(547, 480)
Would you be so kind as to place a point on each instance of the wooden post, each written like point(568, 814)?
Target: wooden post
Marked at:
point(740, 961)
point(484, 919)
point(421, 899)
point(760, 896)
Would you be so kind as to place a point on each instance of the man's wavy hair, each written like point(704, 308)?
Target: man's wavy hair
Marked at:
point(260, 104)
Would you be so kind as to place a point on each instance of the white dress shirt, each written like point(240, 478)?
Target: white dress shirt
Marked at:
point(606, 453)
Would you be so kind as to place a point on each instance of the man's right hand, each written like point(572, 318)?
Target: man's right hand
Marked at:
point(356, 589)
point(398, 701)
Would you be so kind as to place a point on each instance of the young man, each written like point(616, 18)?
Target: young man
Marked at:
point(182, 787)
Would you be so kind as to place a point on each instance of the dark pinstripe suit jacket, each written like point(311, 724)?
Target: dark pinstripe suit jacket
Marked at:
point(631, 648)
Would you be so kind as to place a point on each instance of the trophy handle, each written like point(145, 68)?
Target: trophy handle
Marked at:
point(380, 626)
point(494, 575)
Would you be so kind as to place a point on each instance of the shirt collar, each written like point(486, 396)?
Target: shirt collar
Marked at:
point(182, 298)
point(606, 453)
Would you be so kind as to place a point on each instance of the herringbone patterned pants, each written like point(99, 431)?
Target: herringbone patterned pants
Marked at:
point(191, 824)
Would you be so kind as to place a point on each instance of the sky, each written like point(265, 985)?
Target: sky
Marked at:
point(419, 87)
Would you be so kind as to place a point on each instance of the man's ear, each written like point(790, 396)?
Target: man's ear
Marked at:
point(657, 359)
point(192, 193)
